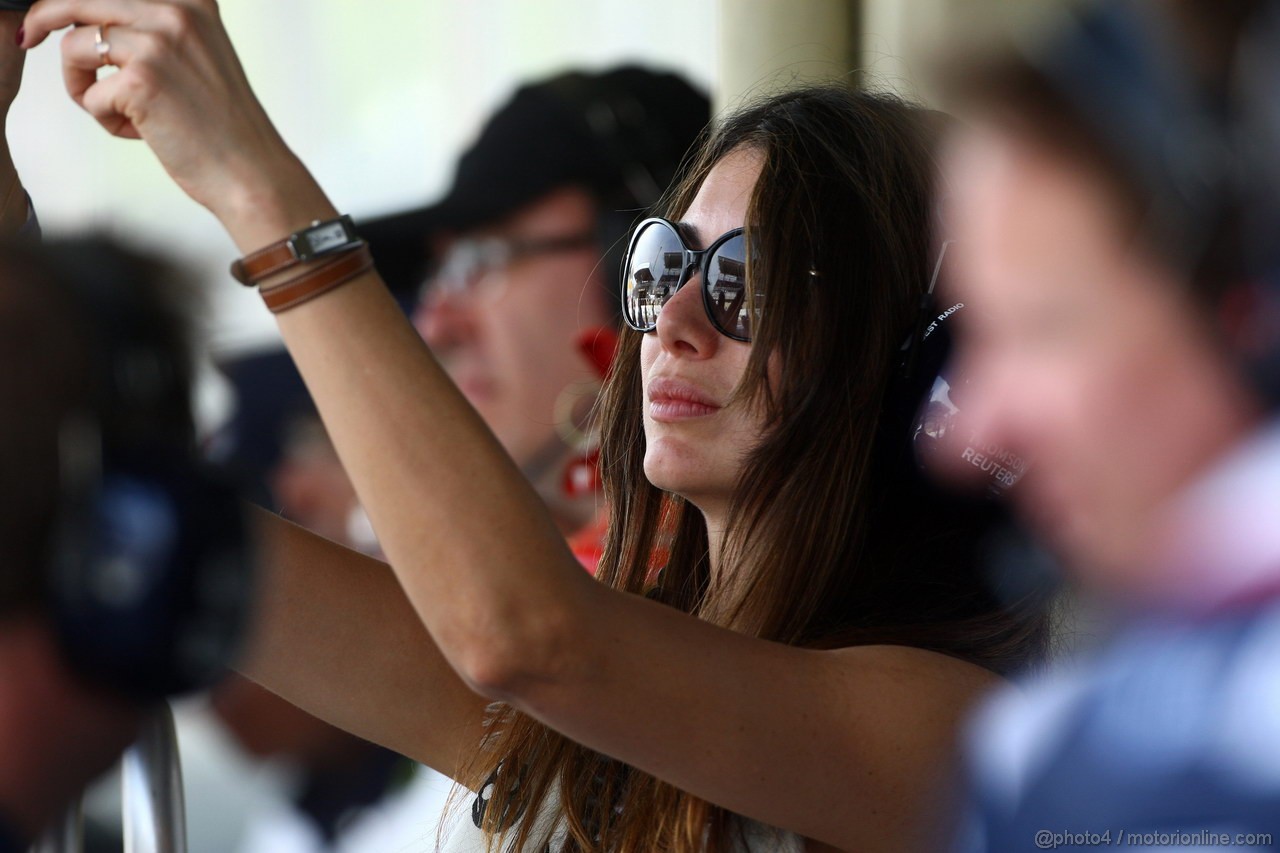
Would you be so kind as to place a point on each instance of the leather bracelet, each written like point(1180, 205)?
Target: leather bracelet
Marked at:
point(320, 279)
point(320, 266)
point(336, 236)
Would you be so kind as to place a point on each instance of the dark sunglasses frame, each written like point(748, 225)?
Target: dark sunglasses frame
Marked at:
point(695, 260)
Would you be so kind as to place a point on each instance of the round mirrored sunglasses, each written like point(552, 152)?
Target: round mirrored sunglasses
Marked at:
point(659, 262)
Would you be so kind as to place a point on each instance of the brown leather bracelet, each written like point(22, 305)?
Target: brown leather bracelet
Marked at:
point(320, 266)
point(319, 279)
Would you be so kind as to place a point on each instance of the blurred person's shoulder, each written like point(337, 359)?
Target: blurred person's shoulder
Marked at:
point(1171, 711)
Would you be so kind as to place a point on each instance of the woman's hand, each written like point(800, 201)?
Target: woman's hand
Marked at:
point(180, 87)
point(11, 61)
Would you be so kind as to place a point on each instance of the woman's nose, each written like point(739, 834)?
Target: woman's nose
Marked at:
point(683, 325)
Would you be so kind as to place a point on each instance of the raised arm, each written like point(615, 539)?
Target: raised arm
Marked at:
point(840, 746)
point(334, 634)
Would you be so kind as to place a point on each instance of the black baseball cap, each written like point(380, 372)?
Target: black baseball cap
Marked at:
point(620, 134)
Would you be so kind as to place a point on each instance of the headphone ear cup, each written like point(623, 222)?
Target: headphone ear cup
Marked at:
point(936, 535)
point(151, 578)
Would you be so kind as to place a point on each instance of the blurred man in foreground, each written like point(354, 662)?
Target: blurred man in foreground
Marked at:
point(122, 559)
point(1105, 260)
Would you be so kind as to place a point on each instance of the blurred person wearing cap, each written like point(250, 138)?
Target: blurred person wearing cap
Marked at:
point(1116, 229)
point(57, 730)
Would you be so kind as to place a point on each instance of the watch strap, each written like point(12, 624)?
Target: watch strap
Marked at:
point(263, 263)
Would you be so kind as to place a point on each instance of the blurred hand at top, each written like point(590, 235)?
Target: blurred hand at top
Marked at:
point(11, 60)
point(179, 86)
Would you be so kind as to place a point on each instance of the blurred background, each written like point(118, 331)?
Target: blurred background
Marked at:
point(378, 103)
point(379, 99)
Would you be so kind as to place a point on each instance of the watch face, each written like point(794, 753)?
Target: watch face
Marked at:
point(325, 237)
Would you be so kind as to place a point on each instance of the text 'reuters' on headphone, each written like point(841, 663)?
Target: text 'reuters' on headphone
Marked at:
point(150, 575)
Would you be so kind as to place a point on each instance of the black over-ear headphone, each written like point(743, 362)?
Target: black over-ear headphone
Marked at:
point(933, 535)
point(921, 400)
point(150, 575)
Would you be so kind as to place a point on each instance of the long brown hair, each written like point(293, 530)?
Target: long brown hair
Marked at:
point(827, 545)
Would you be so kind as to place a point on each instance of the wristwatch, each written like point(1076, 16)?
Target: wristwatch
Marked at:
point(315, 241)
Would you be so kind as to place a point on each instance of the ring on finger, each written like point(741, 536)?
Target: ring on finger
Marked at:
point(102, 45)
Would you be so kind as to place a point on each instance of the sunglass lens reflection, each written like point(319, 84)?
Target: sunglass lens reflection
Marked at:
point(653, 273)
point(726, 289)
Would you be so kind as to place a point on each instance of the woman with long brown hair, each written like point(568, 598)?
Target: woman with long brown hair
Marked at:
point(800, 654)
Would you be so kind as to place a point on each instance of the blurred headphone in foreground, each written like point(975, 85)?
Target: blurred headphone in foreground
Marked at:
point(150, 578)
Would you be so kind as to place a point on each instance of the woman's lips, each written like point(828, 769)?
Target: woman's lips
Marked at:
point(673, 400)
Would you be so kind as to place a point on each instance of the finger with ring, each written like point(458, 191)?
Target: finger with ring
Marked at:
point(92, 47)
point(102, 45)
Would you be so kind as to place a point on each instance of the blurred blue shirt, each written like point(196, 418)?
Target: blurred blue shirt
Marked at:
point(1172, 731)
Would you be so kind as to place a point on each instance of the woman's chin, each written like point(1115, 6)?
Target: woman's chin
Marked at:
point(676, 470)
